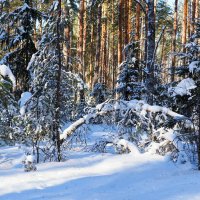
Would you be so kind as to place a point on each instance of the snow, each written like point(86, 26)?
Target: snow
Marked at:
point(25, 96)
point(194, 66)
point(30, 158)
point(89, 176)
point(97, 176)
point(6, 71)
point(183, 88)
point(101, 109)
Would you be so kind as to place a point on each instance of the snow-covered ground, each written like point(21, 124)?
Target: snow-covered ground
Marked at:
point(95, 176)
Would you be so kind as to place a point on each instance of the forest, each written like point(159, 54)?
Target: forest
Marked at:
point(82, 78)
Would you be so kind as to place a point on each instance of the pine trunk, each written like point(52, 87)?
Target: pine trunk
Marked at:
point(137, 31)
point(80, 38)
point(150, 50)
point(120, 34)
point(58, 91)
point(67, 34)
point(174, 39)
point(98, 46)
point(184, 32)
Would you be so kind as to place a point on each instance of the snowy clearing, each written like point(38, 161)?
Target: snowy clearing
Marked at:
point(96, 176)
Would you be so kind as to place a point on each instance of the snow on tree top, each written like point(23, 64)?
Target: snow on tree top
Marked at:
point(5, 71)
point(183, 88)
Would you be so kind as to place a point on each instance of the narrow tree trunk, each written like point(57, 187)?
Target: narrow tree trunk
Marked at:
point(174, 40)
point(98, 45)
point(113, 46)
point(104, 43)
point(58, 89)
point(67, 34)
point(184, 31)
point(126, 22)
point(197, 10)
point(84, 39)
point(193, 16)
point(120, 35)
point(130, 5)
point(150, 50)
point(137, 30)
point(146, 35)
point(91, 51)
point(80, 38)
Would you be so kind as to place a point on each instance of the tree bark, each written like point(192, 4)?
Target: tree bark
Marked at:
point(58, 89)
point(80, 38)
point(84, 39)
point(120, 35)
point(67, 34)
point(126, 22)
point(150, 50)
point(137, 31)
point(130, 5)
point(193, 16)
point(174, 39)
point(104, 43)
point(184, 31)
point(113, 47)
point(98, 45)
point(91, 52)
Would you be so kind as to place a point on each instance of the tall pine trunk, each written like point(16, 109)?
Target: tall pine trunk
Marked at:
point(98, 46)
point(184, 31)
point(150, 51)
point(80, 38)
point(174, 40)
point(120, 34)
point(58, 89)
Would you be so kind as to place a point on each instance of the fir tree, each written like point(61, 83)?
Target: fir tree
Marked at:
point(17, 38)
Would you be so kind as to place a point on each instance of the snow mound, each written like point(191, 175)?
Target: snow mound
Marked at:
point(183, 88)
point(5, 71)
point(194, 66)
point(126, 145)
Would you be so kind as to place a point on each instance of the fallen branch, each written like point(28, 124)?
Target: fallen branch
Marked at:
point(102, 109)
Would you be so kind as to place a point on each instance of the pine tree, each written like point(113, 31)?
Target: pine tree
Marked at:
point(43, 116)
point(186, 93)
point(18, 41)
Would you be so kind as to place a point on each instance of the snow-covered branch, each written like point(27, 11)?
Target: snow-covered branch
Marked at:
point(140, 107)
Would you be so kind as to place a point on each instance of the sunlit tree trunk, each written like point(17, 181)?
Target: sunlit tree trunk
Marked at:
point(150, 50)
point(120, 35)
point(58, 89)
point(137, 30)
point(193, 16)
point(184, 25)
point(98, 45)
point(130, 5)
point(104, 43)
point(66, 46)
point(92, 51)
point(84, 39)
point(174, 39)
point(80, 38)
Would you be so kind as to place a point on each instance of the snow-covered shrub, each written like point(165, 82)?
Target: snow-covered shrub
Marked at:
point(184, 96)
point(8, 105)
point(29, 163)
point(128, 85)
point(99, 93)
